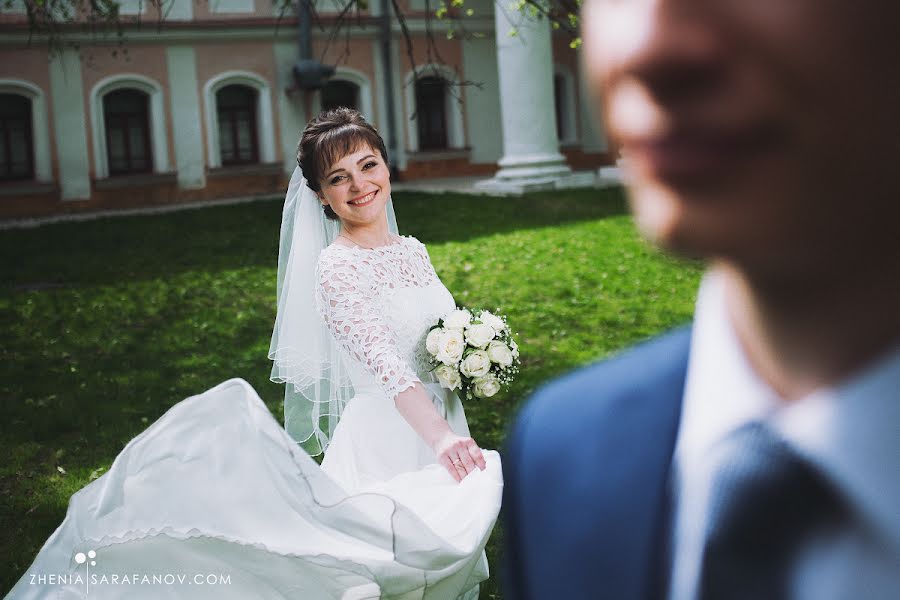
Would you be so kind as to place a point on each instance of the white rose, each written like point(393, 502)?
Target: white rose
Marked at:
point(494, 321)
point(450, 346)
point(432, 342)
point(515, 348)
point(499, 353)
point(476, 364)
point(448, 377)
point(479, 335)
point(486, 386)
point(457, 319)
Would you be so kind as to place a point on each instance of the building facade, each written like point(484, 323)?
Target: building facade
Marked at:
point(203, 103)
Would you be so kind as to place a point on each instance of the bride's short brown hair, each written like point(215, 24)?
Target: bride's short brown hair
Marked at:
point(329, 137)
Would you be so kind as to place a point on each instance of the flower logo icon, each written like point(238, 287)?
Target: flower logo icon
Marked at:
point(81, 558)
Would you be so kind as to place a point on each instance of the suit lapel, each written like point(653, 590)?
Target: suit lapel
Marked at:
point(641, 508)
point(586, 470)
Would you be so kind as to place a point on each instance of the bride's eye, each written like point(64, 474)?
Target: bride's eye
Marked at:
point(335, 179)
point(369, 164)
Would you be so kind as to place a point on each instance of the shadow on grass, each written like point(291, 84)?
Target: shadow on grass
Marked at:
point(112, 250)
point(438, 218)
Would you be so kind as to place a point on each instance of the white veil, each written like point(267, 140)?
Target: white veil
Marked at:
point(306, 356)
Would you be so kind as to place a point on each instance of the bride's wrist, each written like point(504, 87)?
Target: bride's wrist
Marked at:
point(416, 407)
point(435, 438)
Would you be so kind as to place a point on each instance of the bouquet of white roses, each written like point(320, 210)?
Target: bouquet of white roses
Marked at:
point(475, 354)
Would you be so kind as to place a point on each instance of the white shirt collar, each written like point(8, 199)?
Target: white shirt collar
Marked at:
point(851, 430)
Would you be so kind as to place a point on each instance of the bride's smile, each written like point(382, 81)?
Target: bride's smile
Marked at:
point(363, 200)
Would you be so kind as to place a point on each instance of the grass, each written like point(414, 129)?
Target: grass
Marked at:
point(108, 323)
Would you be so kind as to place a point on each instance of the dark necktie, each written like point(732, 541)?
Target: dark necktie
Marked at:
point(766, 501)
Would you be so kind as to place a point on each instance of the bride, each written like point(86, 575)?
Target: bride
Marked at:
point(216, 500)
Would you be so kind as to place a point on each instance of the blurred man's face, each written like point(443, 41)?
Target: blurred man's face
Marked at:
point(763, 131)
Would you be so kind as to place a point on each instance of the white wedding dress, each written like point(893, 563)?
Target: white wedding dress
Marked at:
point(216, 500)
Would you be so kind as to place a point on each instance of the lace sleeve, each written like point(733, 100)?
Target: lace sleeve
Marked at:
point(346, 299)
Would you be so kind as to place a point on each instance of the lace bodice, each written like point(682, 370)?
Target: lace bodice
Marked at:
point(379, 304)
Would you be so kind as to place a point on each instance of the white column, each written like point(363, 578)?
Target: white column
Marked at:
point(186, 121)
point(531, 158)
point(401, 121)
point(592, 135)
point(69, 123)
point(291, 112)
point(482, 105)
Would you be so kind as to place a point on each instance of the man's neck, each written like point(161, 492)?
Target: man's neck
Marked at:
point(816, 334)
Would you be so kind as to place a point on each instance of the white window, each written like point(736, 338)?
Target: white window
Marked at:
point(231, 6)
point(117, 123)
point(236, 114)
point(346, 85)
point(16, 148)
point(564, 104)
point(133, 7)
point(245, 131)
point(13, 7)
point(438, 122)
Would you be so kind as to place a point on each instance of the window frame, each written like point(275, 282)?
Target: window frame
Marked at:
point(254, 132)
point(145, 122)
point(29, 175)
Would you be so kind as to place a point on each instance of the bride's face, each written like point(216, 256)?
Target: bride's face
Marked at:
point(357, 187)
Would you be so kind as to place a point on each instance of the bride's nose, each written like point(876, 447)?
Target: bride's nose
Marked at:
point(354, 182)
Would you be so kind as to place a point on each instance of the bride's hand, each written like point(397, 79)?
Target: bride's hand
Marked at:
point(459, 455)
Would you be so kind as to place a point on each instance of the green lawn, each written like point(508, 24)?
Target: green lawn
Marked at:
point(108, 323)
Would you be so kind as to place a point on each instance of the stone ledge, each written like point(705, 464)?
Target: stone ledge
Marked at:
point(136, 180)
point(517, 187)
point(263, 169)
point(609, 176)
point(425, 155)
point(27, 188)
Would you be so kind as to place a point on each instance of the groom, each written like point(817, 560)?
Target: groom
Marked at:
point(755, 454)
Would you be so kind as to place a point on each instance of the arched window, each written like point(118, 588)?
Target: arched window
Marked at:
point(126, 117)
point(339, 92)
point(236, 109)
point(564, 101)
point(559, 90)
point(431, 112)
point(16, 149)
point(239, 123)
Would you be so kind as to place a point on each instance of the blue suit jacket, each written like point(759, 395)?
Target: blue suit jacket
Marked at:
point(586, 466)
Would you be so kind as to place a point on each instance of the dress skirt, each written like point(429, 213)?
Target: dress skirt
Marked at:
point(215, 500)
